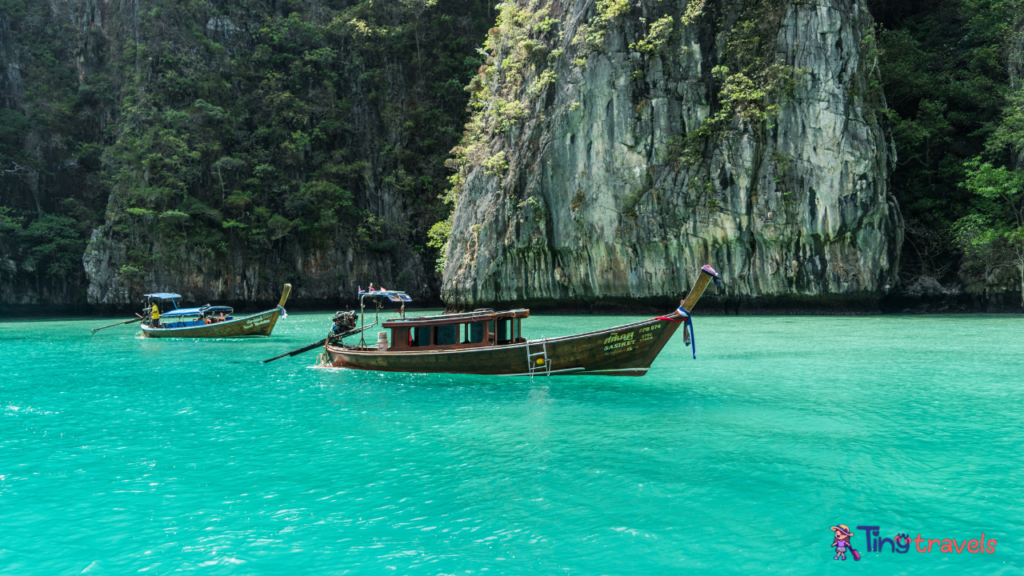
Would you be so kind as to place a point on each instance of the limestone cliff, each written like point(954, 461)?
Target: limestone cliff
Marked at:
point(220, 149)
point(619, 146)
point(372, 243)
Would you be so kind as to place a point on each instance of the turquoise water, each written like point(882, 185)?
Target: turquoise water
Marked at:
point(120, 455)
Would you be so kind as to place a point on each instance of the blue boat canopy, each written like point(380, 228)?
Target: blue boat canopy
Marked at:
point(393, 295)
point(164, 296)
point(196, 311)
point(181, 312)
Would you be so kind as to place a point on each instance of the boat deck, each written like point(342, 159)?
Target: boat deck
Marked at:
point(191, 323)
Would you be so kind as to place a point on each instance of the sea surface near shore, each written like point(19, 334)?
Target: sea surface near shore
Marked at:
point(122, 455)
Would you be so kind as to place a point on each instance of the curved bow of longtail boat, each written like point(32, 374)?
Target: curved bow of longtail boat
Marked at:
point(284, 295)
point(707, 274)
point(684, 313)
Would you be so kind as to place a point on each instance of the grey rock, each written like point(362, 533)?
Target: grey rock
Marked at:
point(590, 211)
point(220, 26)
point(328, 274)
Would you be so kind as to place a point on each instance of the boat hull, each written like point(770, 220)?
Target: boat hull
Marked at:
point(261, 324)
point(626, 350)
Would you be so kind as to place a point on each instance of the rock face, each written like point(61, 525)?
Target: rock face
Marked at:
point(29, 180)
point(614, 196)
point(328, 275)
point(221, 149)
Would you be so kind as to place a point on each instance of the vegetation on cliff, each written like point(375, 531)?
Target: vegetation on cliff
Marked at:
point(229, 130)
point(956, 125)
point(519, 60)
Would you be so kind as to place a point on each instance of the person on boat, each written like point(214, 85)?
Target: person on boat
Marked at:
point(155, 316)
point(220, 318)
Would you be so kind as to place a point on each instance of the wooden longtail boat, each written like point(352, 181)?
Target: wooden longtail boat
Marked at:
point(488, 342)
point(210, 321)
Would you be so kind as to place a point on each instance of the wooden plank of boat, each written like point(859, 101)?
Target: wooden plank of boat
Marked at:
point(261, 324)
point(626, 350)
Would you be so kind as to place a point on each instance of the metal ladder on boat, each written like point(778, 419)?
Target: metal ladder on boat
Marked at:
point(531, 363)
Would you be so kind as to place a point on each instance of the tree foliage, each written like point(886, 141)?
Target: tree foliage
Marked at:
point(236, 128)
point(944, 71)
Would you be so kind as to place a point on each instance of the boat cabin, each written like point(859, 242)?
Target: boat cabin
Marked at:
point(185, 317)
point(476, 329)
point(202, 316)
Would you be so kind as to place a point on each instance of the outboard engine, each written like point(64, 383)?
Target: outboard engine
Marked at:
point(345, 320)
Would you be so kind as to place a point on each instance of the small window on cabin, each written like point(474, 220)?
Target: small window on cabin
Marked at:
point(421, 336)
point(448, 335)
point(491, 330)
point(475, 332)
point(502, 334)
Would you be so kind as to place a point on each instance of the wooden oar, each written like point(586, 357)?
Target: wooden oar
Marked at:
point(298, 350)
point(319, 344)
point(118, 324)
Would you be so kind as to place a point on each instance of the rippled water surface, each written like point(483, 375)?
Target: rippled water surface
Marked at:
point(120, 455)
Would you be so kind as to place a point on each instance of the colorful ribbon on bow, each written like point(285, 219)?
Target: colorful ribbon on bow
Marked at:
point(686, 318)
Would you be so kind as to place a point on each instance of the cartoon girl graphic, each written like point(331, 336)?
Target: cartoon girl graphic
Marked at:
point(842, 542)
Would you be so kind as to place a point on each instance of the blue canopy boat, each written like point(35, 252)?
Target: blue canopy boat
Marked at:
point(207, 321)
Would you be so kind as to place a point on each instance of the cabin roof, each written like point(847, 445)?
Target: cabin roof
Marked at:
point(164, 296)
point(195, 311)
point(461, 318)
point(393, 295)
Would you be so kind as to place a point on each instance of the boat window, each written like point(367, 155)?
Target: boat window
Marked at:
point(475, 332)
point(448, 335)
point(502, 334)
point(421, 336)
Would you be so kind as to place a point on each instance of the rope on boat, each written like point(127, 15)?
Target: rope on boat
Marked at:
point(693, 341)
point(688, 323)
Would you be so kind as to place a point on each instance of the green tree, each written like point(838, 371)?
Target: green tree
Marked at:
point(993, 234)
point(945, 80)
point(279, 136)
